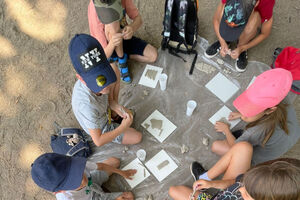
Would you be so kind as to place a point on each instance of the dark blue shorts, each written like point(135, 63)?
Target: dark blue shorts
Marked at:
point(134, 46)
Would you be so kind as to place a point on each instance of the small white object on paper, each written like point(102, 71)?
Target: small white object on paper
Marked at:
point(223, 112)
point(139, 176)
point(157, 160)
point(150, 76)
point(253, 79)
point(222, 87)
point(166, 129)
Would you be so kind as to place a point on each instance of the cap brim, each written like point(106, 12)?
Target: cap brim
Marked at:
point(109, 13)
point(105, 70)
point(230, 34)
point(74, 179)
point(246, 107)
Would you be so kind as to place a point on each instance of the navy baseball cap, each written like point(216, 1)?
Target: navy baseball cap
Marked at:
point(55, 172)
point(89, 61)
point(235, 17)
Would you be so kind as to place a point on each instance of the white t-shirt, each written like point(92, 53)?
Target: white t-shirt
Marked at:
point(80, 194)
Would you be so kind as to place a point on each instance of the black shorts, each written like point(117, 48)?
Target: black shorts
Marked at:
point(134, 46)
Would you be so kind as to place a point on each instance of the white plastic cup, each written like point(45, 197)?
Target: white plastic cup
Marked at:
point(141, 155)
point(163, 81)
point(191, 105)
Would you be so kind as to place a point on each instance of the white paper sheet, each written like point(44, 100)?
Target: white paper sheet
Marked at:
point(146, 81)
point(139, 176)
point(165, 171)
point(253, 79)
point(160, 134)
point(222, 87)
point(223, 112)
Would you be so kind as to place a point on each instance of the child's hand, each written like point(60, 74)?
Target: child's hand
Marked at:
point(236, 53)
point(234, 115)
point(224, 49)
point(201, 184)
point(222, 127)
point(127, 33)
point(116, 39)
point(128, 173)
point(127, 120)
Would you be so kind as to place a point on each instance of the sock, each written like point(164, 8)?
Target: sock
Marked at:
point(204, 176)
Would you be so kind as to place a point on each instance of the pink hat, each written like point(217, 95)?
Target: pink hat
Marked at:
point(268, 90)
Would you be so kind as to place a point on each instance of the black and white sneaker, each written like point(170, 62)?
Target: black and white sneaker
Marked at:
point(213, 50)
point(196, 170)
point(242, 62)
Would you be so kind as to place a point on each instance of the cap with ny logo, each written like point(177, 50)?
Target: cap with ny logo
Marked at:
point(89, 61)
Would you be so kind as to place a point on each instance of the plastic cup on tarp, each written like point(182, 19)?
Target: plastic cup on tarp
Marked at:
point(191, 105)
point(141, 155)
point(163, 78)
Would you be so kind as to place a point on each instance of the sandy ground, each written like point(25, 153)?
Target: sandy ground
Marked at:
point(36, 76)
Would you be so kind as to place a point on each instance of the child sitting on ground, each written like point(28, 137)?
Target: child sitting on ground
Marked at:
point(272, 126)
point(72, 178)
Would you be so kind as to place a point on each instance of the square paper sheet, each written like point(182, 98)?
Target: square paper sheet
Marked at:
point(222, 87)
point(163, 161)
point(139, 176)
point(158, 126)
point(150, 76)
point(223, 112)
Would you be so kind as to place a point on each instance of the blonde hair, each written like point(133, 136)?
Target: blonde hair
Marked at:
point(270, 121)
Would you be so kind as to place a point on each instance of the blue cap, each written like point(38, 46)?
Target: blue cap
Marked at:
point(89, 61)
point(55, 172)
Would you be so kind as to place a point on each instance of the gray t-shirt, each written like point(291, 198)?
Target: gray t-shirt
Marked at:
point(89, 109)
point(277, 145)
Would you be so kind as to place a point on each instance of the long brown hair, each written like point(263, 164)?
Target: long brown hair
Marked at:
point(270, 121)
point(277, 181)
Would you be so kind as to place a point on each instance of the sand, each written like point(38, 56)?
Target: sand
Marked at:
point(36, 82)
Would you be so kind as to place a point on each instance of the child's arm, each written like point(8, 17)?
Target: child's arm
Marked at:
point(101, 139)
point(129, 30)
point(113, 30)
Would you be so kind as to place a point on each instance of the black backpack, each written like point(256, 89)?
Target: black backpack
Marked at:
point(181, 28)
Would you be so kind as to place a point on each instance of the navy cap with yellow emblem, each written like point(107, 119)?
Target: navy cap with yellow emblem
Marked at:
point(90, 62)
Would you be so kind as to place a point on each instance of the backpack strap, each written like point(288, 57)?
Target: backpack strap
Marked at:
point(168, 18)
point(70, 131)
point(182, 14)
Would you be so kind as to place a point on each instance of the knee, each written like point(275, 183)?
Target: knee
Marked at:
point(215, 147)
point(172, 191)
point(243, 147)
point(138, 137)
point(115, 162)
point(152, 54)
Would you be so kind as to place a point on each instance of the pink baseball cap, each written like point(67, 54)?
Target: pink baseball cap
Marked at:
point(268, 90)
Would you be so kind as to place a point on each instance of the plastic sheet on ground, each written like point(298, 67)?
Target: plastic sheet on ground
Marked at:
point(171, 103)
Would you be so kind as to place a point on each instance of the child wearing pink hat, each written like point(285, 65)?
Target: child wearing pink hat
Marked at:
point(272, 127)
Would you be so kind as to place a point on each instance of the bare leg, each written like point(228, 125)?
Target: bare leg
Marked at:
point(149, 55)
point(235, 162)
point(116, 89)
point(250, 30)
point(220, 147)
point(114, 162)
point(181, 192)
point(132, 136)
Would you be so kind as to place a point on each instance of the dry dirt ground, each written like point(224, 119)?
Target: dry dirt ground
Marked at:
point(36, 76)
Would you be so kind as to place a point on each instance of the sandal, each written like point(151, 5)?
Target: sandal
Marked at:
point(123, 67)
